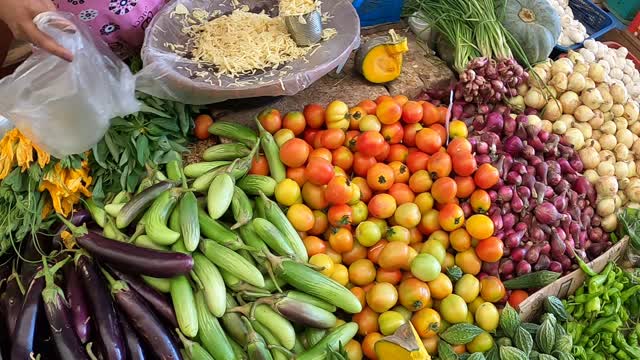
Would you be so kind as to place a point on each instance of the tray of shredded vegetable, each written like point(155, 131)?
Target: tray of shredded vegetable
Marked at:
point(203, 51)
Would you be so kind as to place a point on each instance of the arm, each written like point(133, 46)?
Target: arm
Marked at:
point(5, 41)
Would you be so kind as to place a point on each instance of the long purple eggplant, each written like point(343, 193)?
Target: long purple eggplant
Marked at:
point(78, 303)
point(67, 342)
point(135, 351)
point(144, 321)
point(135, 259)
point(159, 302)
point(24, 333)
point(11, 302)
point(34, 248)
point(104, 313)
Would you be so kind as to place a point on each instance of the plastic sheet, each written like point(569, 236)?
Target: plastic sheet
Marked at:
point(164, 74)
point(66, 107)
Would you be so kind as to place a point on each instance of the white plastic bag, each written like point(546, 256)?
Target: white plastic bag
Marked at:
point(66, 107)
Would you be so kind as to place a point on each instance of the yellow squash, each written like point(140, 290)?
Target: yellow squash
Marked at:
point(379, 59)
point(404, 344)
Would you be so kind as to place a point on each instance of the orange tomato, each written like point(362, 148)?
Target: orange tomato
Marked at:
point(384, 152)
point(395, 255)
point(380, 177)
point(414, 294)
point(480, 201)
point(342, 158)
point(469, 262)
point(431, 344)
point(465, 185)
point(393, 133)
point(439, 165)
point(374, 251)
point(382, 206)
point(319, 171)
point(297, 175)
point(355, 115)
point(362, 272)
point(430, 114)
point(417, 161)
point(402, 193)
point(441, 287)
point(367, 321)
point(458, 146)
point(479, 226)
point(350, 139)
point(397, 152)
point(314, 245)
point(360, 294)
point(320, 223)
point(357, 252)
point(332, 138)
point(400, 172)
point(420, 182)
point(410, 131)
point(368, 345)
point(444, 190)
point(370, 143)
point(441, 131)
point(460, 240)
point(362, 163)
point(270, 119)
point(339, 215)
point(294, 153)
point(490, 249)
point(464, 164)
point(353, 350)
point(459, 349)
point(317, 140)
point(486, 176)
point(321, 153)
point(313, 196)
point(382, 98)
point(429, 222)
point(363, 187)
point(517, 297)
point(440, 236)
point(389, 112)
point(202, 124)
point(301, 217)
point(492, 289)
point(314, 115)
point(443, 111)
point(382, 297)
point(451, 217)
point(412, 112)
point(401, 99)
point(368, 105)
point(415, 236)
point(338, 191)
point(295, 122)
point(259, 166)
point(428, 141)
point(392, 277)
point(426, 322)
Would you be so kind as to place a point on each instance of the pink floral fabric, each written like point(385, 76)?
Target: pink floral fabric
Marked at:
point(119, 23)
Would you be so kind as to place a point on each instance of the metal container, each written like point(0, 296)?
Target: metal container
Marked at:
point(306, 29)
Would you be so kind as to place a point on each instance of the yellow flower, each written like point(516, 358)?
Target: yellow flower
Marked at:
point(17, 149)
point(65, 186)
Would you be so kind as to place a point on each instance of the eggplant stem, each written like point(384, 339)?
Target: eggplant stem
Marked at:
point(139, 231)
point(243, 309)
point(116, 285)
point(188, 344)
point(75, 230)
point(90, 351)
point(273, 277)
point(48, 272)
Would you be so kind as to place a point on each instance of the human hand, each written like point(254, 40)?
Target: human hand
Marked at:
point(19, 14)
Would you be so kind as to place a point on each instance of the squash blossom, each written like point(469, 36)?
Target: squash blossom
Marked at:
point(17, 149)
point(65, 186)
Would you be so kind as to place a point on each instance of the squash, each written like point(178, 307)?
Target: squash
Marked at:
point(404, 344)
point(379, 59)
point(534, 24)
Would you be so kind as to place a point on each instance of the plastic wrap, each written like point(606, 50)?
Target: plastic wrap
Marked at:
point(66, 107)
point(164, 74)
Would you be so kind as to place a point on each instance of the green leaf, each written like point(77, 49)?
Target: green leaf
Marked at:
point(113, 149)
point(142, 149)
point(170, 125)
point(148, 109)
point(124, 158)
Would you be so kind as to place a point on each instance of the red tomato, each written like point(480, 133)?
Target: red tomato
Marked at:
point(382, 98)
point(441, 131)
point(393, 133)
point(397, 152)
point(259, 166)
point(362, 163)
point(417, 160)
point(412, 112)
point(332, 138)
point(410, 131)
point(294, 153)
point(270, 119)
point(464, 164)
point(369, 106)
point(486, 176)
point(458, 146)
point(350, 139)
point(338, 191)
point(295, 122)
point(517, 297)
point(319, 171)
point(490, 249)
point(439, 165)
point(384, 152)
point(309, 135)
point(428, 140)
point(201, 128)
point(340, 215)
point(370, 143)
point(342, 158)
point(314, 114)
point(430, 114)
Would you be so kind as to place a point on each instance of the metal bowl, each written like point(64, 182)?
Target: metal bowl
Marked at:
point(306, 29)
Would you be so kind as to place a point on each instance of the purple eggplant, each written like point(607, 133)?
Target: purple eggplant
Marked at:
point(24, 333)
point(104, 313)
point(144, 321)
point(78, 303)
point(78, 218)
point(135, 259)
point(67, 342)
point(135, 351)
point(34, 248)
point(11, 302)
point(159, 302)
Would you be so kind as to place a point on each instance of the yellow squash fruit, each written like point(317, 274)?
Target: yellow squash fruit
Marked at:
point(379, 59)
point(404, 344)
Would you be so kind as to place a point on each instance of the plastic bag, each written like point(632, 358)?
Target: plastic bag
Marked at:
point(165, 74)
point(66, 107)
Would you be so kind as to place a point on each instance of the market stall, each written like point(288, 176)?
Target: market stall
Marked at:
point(465, 187)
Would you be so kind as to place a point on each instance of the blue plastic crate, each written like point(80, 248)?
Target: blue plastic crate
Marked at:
point(595, 20)
point(625, 10)
point(375, 12)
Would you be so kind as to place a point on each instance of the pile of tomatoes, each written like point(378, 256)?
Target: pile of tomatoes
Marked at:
point(392, 205)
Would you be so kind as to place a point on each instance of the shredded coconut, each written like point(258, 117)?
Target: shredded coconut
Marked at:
point(297, 7)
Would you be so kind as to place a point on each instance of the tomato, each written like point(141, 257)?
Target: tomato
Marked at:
point(297, 175)
point(282, 136)
point(359, 212)
point(301, 217)
point(362, 272)
point(439, 165)
point(338, 191)
point(365, 190)
point(458, 146)
point(382, 297)
point(314, 245)
point(295, 122)
point(370, 123)
point(451, 217)
point(414, 294)
point(468, 288)
point(441, 287)
point(410, 131)
point(368, 233)
point(310, 135)
point(340, 274)
point(335, 256)
point(444, 190)
point(202, 124)
point(453, 309)
point(321, 153)
point(417, 161)
point(339, 215)
point(517, 297)
point(395, 255)
point(367, 321)
point(442, 132)
point(397, 152)
point(319, 171)
point(400, 172)
point(368, 345)
point(383, 152)
point(332, 138)
point(270, 119)
point(424, 201)
point(400, 99)
point(469, 262)
point(324, 262)
point(353, 350)
point(479, 226)
point(481, 343)
point(356, 253)
point(259, 166)
point(412, 112)
point(393, 133)
point(431, 344)
point(362, 164)
point(460, 240)
point(389, 112)
point(465, 186)
point(426, 322)
point(370, 143)
point(360, 294)
point(429, 222)
point(392, 277)
point(487, 316)
point(382, 98)
point(436, 249)
point(390, 321)
point(337, 115)
point(430, 114)
point(341, 240)
point(408, 215)
point(314, 115)
point(368, 105)
point(480, 201)
point(440, 236)
point(490, 249)
point(420, 182)
point(342, 158)
point(492, 289)
point(355, 115)
point(350, 139)
point(428, 141)
point(287, 192)
point(380, 177)
point(294, 153)
point(458, 129)
point(382, 206)
point(402, 193)
point(486, 176)
point(398, 233)
point(425, 267)
point(464, 164)
point(313, 196)
point(374, 251)
point(320, 221)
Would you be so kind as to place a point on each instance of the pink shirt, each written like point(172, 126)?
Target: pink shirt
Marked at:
point(119, 23)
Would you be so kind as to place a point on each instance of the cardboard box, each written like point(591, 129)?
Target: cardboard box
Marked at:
point(569, 283)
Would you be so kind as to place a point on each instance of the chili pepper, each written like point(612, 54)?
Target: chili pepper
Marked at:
point(595, 327)
point(609, 293)
point(579, 353)
point(581, 299)
point(593, 305)
point(621, 343)
point(625, 295)
point(579, 312)
point(619, 286)
point(597, 281)
point(623, 314)
point(591, 355)
point(621, 355)
point(587, 270)
point(633, 339)
point(580, 291)
point(575, 329)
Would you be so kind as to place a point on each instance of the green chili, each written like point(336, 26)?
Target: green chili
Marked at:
point(625, 295)
point(581, 299)
point(595, 327)
point(593, 305)
point(597, 281)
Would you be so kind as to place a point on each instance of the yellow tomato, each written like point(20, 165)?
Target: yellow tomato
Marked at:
point(301, 217)
point(454, 309)
point(487, 316)
point(370, 123)
point(323, 261)
point(288, 192)
point(359, 212)
point(336, 115)
point(424, 201)
point(479, 226)
point(435, 248)
point(468, 288)
point(408, 215)
point(390, 321)
point(398, 233)
point(340, 274)
point(475, 304)
point(457, 129)
point(440, 236)
point(481, 343)
point(283, 135)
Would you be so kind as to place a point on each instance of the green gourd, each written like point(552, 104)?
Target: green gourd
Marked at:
point(534, 24)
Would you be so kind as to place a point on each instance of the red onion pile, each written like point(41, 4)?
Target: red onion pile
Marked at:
point(487, 81)
point(543, 208)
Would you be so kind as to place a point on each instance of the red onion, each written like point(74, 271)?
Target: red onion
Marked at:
point(519, 167)
point(497, 220)
point(478, 123)
point(457, 110)
point(581, 185)
point(517, 204)
point(522, 268)
point(542, 263)
point(536, 144)
point(518, 254)
point(510, 125)
point(530, 111)
point(545, 249)
point(545, 136)
point(513, 145)
point(558, 247)
point(528, 152)
point(513, 178)
point(542, 169)
point(491, 138)
point(532, 255)
point(560, 202)
point(505, 193)
point(483, 159)
point(562, 235)
point(546, 213)
point(514, 240)
point(482, 148)
point(576, 163)
point(596, 220)
point(491, 268)
point(506, 266)
point(522, 226)
point(596, 235)
point(524, 192)
point(565, 262)
point(555, 267)
point(549, 193)
point(493, 195)
point(536, 234)
point(508, 221)
point(466, 209)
